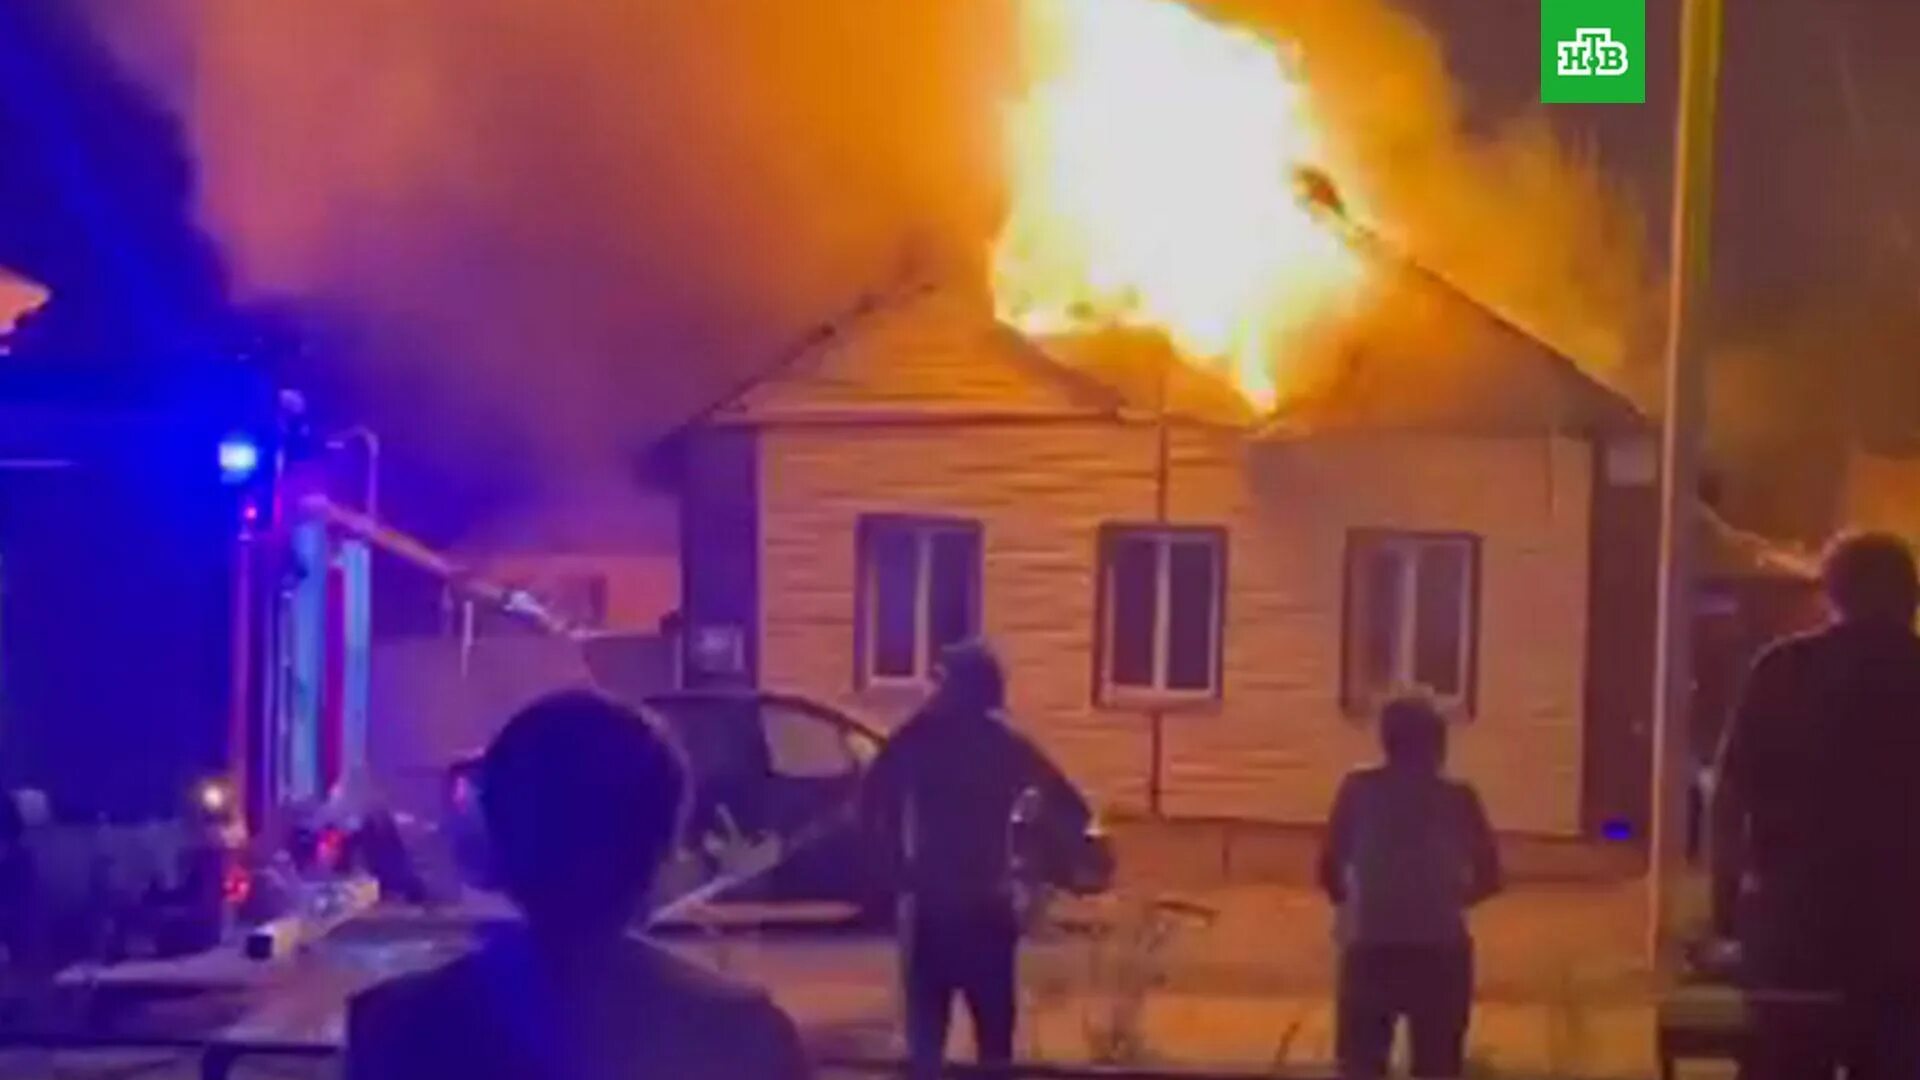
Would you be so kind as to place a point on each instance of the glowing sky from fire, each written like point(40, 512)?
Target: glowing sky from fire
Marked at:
point(1150, 167)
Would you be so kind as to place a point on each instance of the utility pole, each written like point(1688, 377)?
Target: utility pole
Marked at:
point(1681, 443)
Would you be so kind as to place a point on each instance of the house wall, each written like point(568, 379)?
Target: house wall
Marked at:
point(1883, 493)
point(1280, 740)
point(1277, 743)
point(1040, 490)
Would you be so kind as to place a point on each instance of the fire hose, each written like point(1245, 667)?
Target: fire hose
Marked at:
point(463, 580)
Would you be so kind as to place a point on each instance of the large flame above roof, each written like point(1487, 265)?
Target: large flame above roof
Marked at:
point(1151, 166)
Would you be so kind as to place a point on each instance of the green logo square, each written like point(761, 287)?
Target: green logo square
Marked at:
point(1593, 52)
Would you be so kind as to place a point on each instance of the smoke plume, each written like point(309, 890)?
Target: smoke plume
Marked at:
point(1518, 216)
point(556, 227)
point(552, 229)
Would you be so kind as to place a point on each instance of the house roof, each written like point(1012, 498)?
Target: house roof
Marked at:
point(1142, 368)
point(916, 350)
point(1426, 356)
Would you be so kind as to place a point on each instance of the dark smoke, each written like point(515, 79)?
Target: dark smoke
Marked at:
point(540, 233)
point(96, 197)
point(547, 231)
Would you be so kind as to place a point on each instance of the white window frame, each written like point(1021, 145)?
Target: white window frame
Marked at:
point(924, 530)
point(1362, 547)
point(1164, 540)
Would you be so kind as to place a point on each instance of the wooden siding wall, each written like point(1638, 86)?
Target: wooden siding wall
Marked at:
point(1277, 743)
point(1883, 493)
point(938, 350)
point(1041, 492)
point(1280, 741)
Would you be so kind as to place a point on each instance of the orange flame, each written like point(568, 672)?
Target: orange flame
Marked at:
point(1152, 167)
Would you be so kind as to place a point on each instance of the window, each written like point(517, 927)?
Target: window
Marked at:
point(919, 592)
point(1162, 600)
point(802, 745)
point(1412, 618)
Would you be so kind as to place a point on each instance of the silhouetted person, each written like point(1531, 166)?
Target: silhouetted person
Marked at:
point(1817, 809)
point(1407, 852)
point(941, 795)
point(582, 800)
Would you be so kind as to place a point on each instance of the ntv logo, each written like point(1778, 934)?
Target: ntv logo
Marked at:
point(1593, 52)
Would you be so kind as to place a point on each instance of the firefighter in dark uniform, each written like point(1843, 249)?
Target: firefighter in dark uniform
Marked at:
point(940, 798)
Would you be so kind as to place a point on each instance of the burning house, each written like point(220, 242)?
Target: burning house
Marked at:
point(1216, 470)
point(1200, 605)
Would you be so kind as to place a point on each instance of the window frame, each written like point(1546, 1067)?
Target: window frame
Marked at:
point(1108, 693)
point(1361, 702)
point(866, 610)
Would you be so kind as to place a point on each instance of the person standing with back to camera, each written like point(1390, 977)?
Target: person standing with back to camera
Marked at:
point(1408, 851)
point(583, 800)
point(939, 799)
point(1817, 825)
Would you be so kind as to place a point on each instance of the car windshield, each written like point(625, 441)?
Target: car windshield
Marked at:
point(728, 738)
point(721, 736)
point(804, 745)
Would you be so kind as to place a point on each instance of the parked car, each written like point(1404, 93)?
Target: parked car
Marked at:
point(775, 781)
point(775, 775)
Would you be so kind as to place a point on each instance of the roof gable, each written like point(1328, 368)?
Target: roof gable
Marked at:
point(1144, 370)
point(1425, 355)
point(1421, 355)
point(922, 351)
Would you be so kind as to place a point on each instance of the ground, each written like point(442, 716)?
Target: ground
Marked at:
point(1563, 990)
point(1235, 976)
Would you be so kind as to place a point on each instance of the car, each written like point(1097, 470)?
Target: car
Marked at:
point(773, 822)
point(776, 779)
point(775, 782)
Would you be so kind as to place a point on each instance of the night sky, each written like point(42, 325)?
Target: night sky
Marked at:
point(531, 237)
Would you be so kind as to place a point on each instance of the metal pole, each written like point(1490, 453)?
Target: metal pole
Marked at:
point(243, 625)
point(370, 466)
point(1680, 461)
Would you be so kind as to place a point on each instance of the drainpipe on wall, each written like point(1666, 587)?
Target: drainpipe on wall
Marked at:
point(1162, 467)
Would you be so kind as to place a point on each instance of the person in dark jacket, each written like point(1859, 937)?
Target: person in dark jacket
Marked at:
point(582, 800)
point(1817, 815)
point(941, 796)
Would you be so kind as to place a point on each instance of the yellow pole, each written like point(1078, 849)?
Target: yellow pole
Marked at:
point(1680, 462)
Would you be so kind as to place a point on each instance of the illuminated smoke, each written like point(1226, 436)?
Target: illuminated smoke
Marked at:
point(560, 226)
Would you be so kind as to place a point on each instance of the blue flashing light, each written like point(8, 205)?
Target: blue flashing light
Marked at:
point(239, 459)
point(1617, 830)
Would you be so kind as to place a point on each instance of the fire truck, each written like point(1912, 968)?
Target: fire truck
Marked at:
point(185, 612)
point(186, 571)
point(118, 536)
